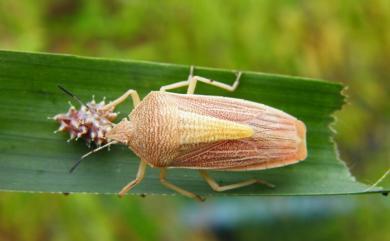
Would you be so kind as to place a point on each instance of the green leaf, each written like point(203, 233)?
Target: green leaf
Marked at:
point(32, 158)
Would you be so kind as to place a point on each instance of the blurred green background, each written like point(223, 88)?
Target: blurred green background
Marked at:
point(346, 41)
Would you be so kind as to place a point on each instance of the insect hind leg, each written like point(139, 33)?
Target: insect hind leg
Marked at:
point(166, 183)
point(192, 81)
point(219, 188)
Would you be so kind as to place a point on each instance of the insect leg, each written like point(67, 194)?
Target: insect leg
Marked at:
point(134, 95)
point(174, 85)
point(180, 83)
point(216, 187)
point(163, 180)
point(138, 179)
point(194, 79)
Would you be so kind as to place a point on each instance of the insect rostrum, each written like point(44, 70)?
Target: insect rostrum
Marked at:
point(168, 130)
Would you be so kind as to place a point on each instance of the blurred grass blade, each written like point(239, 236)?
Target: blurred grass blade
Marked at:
point(32, 158)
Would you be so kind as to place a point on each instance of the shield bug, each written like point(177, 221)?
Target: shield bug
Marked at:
point(170, 130)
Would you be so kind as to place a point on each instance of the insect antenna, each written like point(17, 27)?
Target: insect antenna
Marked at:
point(89, 153)
point(73, 96)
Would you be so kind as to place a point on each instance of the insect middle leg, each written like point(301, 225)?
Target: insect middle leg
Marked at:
point(166, 183)
point(138, 179)
point(134, 96)
point(216, 187)
point(192, 81)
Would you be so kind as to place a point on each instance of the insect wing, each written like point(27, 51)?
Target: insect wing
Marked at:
point(279, 138)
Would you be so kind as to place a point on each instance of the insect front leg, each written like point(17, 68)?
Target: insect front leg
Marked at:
point(219, 188)
point(138, 179)
point(134, 96)
point(163, 180)
point(192, 81)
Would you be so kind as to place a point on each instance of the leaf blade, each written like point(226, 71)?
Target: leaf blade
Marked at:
point(32, 158)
